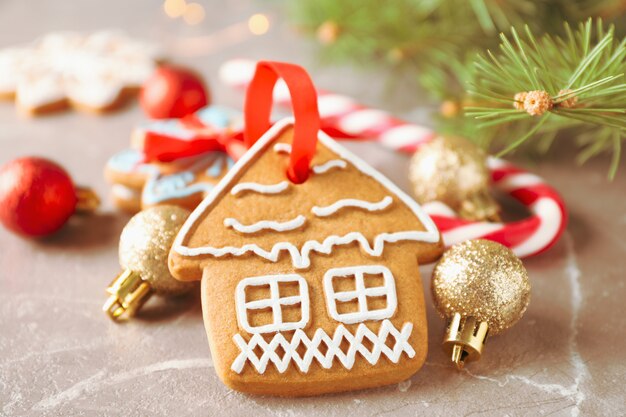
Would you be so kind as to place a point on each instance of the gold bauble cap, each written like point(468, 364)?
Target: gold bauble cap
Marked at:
point(482, 288)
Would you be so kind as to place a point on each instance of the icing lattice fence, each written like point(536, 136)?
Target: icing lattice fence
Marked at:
point(270, 350)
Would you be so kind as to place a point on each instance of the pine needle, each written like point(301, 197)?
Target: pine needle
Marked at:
point(590, 96)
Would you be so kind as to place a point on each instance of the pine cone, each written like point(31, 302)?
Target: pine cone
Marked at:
point(568, 102)
point(519, 100)
point(537, 102)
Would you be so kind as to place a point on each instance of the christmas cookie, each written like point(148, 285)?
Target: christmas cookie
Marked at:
point(94, 72)
point(207, 123)
point(137, 185)
point(308, 285)
point(181, 180)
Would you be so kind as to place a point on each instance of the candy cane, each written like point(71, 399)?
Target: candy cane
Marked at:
point(342, 117)
point(526, 237)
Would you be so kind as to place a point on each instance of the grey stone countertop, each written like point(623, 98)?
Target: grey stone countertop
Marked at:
point(60, 355)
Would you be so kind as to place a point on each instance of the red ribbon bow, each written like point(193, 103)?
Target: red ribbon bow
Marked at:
point(165, 148)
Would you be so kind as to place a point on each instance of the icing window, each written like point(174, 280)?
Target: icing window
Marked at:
point(360, 293)
point(272, 303)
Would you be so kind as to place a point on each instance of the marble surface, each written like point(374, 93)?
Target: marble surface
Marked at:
point(60, 355)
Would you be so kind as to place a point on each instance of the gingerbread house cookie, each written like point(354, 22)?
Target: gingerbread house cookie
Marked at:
point(314, 287)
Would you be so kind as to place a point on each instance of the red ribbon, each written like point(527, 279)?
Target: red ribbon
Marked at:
point(165, 148)
point(258, 107)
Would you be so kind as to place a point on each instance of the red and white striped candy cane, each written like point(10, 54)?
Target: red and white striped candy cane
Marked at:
point(526, 237)
point(342, 117)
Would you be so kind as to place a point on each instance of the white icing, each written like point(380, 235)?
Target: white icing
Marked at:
point(161, 188)
point(275, 303)
point(282, 148)
point(327, 166)
point(88, 69)
point(326, 358)
point(220, 117)
point(351, 202)
point(10, 60)
point(266, 224)
point(260, 188)
point(360, 293)
point(37, 90)
point(125, 161)
point(301, 257)
point(173, 186)
point(95, 92)
point(168, 127)
point(122, 192)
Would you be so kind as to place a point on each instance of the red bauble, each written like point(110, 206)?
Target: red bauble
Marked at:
point(173, 92)
point(37, 196)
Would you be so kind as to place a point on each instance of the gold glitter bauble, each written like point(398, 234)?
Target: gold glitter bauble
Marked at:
point(145, 245)
point(454, 171)
point(483, 279)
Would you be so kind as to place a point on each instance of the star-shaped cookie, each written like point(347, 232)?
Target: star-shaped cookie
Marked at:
point(94, 72)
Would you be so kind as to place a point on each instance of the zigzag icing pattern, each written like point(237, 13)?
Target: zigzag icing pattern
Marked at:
point(351, 202)
point(303, 362)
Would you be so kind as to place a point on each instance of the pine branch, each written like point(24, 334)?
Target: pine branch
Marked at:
point(431, 41)
point(578, 78)
point(434, 43)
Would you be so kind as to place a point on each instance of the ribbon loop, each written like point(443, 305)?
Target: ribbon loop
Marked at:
point(258, 108)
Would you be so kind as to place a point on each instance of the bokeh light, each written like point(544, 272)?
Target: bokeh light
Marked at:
point(174, 8)
point(258, 24)
point(194, 14)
